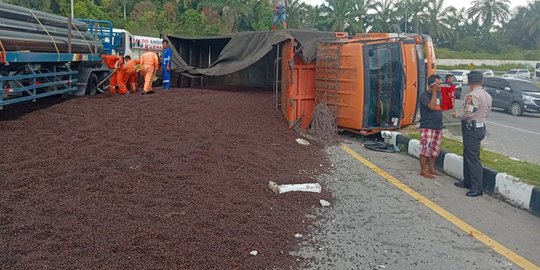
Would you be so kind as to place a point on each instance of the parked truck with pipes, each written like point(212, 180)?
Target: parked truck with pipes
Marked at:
point(40, 57)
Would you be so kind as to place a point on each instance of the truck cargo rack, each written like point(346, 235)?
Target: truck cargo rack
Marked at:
point(32, 83)
point(103, 32)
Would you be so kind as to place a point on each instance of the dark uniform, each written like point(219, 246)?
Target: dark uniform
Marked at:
point(476, 109)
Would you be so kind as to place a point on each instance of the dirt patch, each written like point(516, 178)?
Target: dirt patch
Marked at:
point(171, 180)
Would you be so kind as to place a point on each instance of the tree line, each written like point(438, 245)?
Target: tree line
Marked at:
point(488, 26)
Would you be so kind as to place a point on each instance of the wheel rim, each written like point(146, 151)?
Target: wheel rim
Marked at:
point(516, 110)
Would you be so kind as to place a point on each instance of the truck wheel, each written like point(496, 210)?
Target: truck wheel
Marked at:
point(515, 109)
point(91, 85)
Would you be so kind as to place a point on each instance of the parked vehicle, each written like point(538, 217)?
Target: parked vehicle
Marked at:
point(459, 86)
point(513, 95)
point(486, 72)
point(518, 73)
point(461, 76)
point(47, 66)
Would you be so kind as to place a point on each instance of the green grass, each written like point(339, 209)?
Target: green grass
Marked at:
point(501, 68)
point(526, 171)
point(508, 54)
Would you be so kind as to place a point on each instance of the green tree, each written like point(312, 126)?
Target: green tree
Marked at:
point(385, 16)
point(338, 15)
point(437, 21)
point(259, 19)
point(231, 12)
point(362, 10)
point(489, 12)
point(296, 12)
point(193, 23)
point(415, 12)
point(524, 29)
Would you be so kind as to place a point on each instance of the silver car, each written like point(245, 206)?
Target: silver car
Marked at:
point(486, 72)
point(518, 73)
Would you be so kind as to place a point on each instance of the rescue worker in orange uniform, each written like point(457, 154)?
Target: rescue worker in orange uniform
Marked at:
point(149, 66)
point(115, 63)
point(130, 73)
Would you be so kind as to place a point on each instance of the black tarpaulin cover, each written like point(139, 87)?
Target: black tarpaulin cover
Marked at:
point(246, 48)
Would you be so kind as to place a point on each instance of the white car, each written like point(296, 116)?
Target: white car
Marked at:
point(461, 75)
point(518, 73)
point(486, 72)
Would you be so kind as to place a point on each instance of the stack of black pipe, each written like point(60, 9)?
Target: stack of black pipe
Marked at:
point(20, 30)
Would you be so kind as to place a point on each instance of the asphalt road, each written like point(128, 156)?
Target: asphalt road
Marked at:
point(514, 136)
point(374, 225)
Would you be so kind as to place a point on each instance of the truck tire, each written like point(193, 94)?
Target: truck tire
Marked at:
point(91, 85)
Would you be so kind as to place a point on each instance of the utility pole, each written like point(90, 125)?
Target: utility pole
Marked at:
point(406, 18)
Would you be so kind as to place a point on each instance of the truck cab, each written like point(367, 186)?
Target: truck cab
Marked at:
point(133, 45)
point(372, 81)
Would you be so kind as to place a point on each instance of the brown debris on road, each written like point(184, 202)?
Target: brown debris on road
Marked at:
point(173, 180)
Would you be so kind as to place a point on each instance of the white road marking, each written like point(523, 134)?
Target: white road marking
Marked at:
point(520, 129)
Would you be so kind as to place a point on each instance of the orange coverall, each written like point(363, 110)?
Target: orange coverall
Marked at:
point(130, 69)
point(149, 64)
point(115, 62)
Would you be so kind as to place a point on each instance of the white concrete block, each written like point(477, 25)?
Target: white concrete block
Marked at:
point(414, 148)
point(453, 165)
point(513, 190)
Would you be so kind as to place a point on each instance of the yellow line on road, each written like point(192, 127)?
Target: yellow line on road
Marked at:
point(509, 254)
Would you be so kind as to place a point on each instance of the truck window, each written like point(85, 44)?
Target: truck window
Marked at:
point(384, 84)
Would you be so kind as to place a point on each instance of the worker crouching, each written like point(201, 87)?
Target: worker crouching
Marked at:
point(149, 65)
point(130, 70)
point(115, 63)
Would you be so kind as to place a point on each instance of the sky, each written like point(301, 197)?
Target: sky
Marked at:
point(456, 3)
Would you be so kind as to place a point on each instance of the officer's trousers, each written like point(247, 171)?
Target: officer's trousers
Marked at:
point(473, 172)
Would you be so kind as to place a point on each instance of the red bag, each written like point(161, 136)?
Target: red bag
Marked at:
point(448, 96)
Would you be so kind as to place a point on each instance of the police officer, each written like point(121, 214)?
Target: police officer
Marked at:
point(476, 109)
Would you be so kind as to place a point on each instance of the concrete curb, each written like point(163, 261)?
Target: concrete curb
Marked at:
point(500, 185)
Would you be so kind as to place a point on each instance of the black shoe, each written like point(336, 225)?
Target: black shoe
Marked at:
point(150, 92)
point(461, 184)
point(474, 193)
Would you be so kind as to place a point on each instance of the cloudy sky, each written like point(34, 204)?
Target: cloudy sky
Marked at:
point(456, 3)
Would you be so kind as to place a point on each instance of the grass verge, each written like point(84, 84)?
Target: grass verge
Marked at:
point(525, 171)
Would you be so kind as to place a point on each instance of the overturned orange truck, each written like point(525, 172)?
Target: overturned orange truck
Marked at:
point(371, 81)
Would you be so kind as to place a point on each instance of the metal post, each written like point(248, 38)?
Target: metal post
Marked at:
point(200, 65)
point(70, 19)
point(190, 64)
point(209, 55)
point(95, 36)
